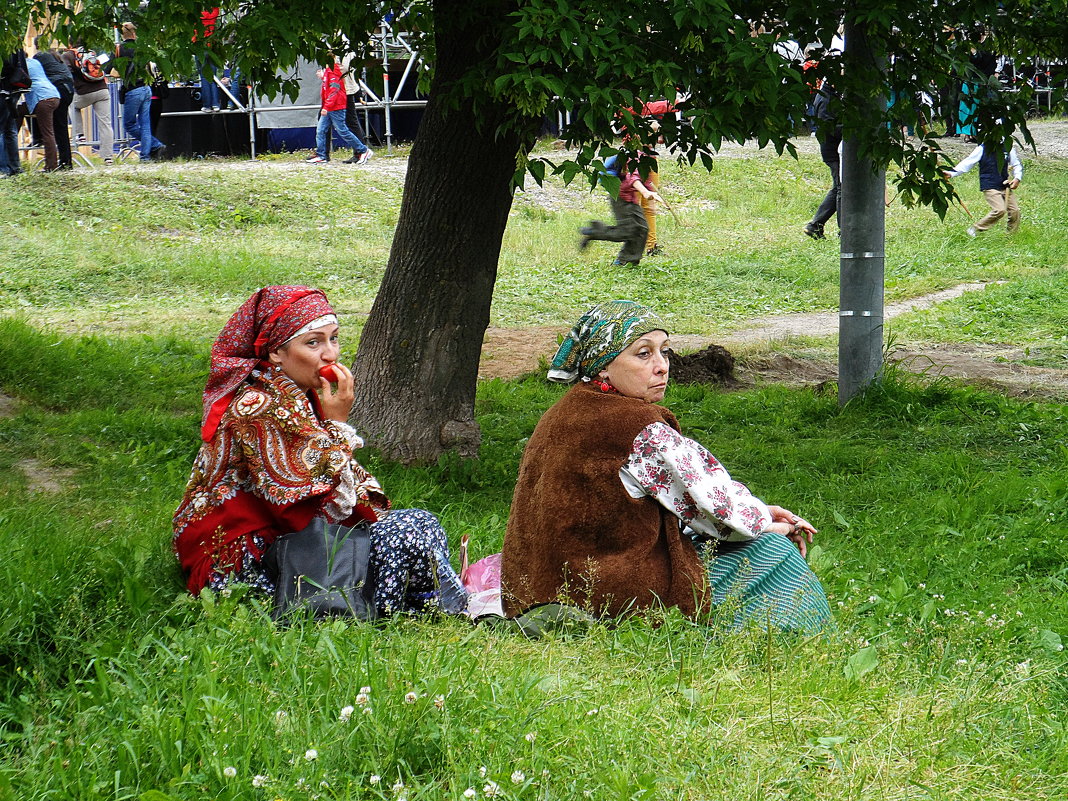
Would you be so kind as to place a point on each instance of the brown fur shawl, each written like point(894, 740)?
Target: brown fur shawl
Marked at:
point(574, 533)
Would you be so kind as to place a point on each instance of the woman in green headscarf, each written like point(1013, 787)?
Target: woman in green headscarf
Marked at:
point(616, 512)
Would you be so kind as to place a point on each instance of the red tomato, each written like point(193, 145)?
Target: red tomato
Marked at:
point(328, 372)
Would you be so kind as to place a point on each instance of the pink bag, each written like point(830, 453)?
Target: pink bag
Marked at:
point(482, 580)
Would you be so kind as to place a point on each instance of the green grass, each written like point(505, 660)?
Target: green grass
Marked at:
point(941, 512)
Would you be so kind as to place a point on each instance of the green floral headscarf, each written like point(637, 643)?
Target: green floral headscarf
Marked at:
point(599, 336)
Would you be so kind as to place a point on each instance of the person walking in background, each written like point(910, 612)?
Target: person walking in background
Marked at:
point(209, 90)
point(14, 81)
point(332, 115)
point(42, 101)
point(353, 99)
point(631, 228)
point(994, 160)
point(829, 134)
point(91, 91)
point(137, 96)
point(59, 75)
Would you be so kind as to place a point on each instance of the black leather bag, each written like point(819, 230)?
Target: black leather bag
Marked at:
point(324, 569)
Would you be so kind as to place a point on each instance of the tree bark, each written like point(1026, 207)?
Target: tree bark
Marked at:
point(863, 224)
point(416, 367)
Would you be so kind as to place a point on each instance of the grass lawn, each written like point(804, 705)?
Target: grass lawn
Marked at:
point(942, 512)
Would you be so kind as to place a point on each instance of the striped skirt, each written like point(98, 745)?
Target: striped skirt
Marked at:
point(765, 581)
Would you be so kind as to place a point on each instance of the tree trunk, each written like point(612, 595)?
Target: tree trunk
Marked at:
point(417, 364)
point(863, 223)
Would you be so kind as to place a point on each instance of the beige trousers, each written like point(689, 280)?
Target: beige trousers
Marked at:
point(1001, 203)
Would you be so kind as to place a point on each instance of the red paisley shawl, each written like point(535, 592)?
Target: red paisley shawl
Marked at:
point(266, 471)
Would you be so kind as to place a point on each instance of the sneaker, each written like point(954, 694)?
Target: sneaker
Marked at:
point(655, 250)
point(108, 162)
point(215, 108)
point(365, 156)
point(205, 109)
point(79, 139)
point(972, 232)
point(815, 230)
point(353, 159)
point(316, 159)
point(159, 152)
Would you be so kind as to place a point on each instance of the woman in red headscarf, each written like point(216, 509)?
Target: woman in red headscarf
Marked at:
point(278, 451)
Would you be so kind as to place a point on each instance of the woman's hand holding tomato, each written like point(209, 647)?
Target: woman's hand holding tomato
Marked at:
point(336, 401)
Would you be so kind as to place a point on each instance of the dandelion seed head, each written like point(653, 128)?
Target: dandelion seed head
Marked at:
point(229, 771)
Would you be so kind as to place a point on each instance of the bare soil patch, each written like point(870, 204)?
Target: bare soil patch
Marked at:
point(40, 478)
point(8, 406)
point(514, 352)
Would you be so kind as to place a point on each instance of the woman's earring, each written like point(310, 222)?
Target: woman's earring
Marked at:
point(603, 384)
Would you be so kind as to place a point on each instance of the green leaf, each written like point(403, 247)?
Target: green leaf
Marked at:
point(861, 663)
point(841, 520)
point(1050, 641)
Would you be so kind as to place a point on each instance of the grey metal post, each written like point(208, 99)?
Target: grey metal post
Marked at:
point(862, 218)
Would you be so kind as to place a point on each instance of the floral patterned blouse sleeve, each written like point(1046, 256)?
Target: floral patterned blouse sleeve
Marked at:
point(690, 482)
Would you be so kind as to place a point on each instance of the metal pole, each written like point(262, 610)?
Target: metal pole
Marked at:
point(386, 98)
point(862, 218)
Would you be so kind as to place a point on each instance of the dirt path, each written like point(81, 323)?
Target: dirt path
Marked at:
point(513, 352)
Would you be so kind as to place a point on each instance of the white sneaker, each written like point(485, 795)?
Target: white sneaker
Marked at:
point(972, 232)
point(315, 160)
point(365, 157)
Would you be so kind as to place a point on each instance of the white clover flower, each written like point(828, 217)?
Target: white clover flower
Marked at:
point(1023, 669)
point(367, 710)
point(518, 777)
point(922, 586)
point(482, 772)
point(398, 788)
point(470, 792)
point(311, 755)
point(410, 698)
point(362, 699)
point(346, 713)
point(229, 771)
point(374, 778)
point(324, 784)
point(530, 736)
point(259, 780)
point(439, 701)
point(962, 661)
point(365, 690)
point(301, 783)
point(491, 789)
point(592, 712)
point(873, 598)
point(281, 717)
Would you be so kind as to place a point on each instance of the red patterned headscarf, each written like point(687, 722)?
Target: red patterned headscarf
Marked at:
point(263, 323)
